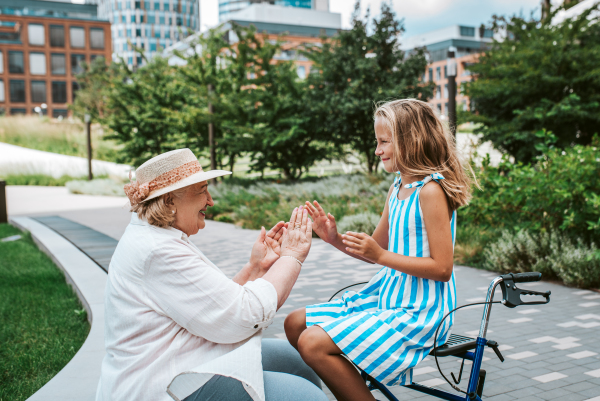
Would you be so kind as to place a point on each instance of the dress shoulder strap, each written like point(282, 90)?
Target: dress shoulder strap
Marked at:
point(435, 177)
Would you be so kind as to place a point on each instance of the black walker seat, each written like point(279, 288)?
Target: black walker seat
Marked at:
point(455, 346)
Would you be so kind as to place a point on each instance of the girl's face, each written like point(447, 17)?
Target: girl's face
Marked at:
point(385, 147)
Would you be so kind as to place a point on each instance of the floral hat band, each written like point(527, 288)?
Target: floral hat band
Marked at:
point(165, 173)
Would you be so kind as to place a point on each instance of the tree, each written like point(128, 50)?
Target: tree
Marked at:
point(93, 83)
point(146, 110)
point(354, 71)
point(541, 76)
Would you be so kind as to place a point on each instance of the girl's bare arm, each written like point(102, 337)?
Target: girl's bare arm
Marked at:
point(439, 265)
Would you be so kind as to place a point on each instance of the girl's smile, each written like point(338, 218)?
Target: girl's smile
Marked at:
point(385, 147)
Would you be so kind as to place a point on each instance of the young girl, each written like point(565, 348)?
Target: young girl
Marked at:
point(388, 326)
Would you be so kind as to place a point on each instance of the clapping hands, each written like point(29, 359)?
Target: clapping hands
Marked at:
point(267, 248)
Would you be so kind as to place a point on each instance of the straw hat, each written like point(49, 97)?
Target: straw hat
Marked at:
point(165, 173)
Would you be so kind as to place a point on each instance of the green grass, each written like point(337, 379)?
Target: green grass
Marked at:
point(62, 137)
point(42, 322)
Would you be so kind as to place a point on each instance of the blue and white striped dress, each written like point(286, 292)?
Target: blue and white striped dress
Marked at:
point(388, 326)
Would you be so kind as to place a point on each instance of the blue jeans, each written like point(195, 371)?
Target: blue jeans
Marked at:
point(286, 376)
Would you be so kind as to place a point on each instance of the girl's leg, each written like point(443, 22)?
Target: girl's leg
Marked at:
point(282, 386)
point(294, 325)
point(320, 353)
point(280, 356)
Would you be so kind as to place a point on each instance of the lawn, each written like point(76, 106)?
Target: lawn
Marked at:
point(42, 321)
point(62, 137)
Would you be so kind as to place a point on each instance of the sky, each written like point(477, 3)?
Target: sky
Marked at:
point(419, 15)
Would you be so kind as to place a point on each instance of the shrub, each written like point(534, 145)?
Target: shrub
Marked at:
point(37, 179)
point(98, 186)
point(559, 192)
point(362, 223)
point(550, 253)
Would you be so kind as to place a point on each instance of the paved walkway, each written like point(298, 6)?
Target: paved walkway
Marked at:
point(552, 351)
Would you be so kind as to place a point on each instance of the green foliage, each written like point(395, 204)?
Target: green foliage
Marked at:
point(42, 323)
point(267, 203)
point(63, 137)
point(37, 179)
point(354, 71)
point(145, 110)
point(97, 186)
point(558, 192)
point(361, 223)
point(550, 253)
point(541, 76)
point(92, 96)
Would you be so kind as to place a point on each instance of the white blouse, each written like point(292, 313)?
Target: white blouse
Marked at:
point(173, 320)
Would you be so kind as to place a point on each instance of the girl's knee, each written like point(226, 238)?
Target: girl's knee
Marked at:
point(312, 343)
point(294, 325)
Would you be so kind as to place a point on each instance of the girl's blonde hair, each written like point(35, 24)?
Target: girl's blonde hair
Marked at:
point(423, 146)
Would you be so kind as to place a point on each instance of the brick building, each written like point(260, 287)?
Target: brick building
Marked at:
point(42, 47)
point(468, 43)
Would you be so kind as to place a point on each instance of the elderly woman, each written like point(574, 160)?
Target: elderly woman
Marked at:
point(176, 326)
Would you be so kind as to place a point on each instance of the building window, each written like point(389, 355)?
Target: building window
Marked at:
point(74, 89)
point(17, 91)
point(58, 64)
point(125, 47)
point(36, 35)
point(141, 18)
point(446, 107)
point(37, 63)
point(60, 113)
point(38, 91)
point(16, 112)
point(128, 32)
point(438, 92)
point(138, 5)
point(1, 62)
point(467, 31)
point(151, 19)
point(15, 62)
point(152, 46)
point(445, 71)
point(97, 38)
point(2, 99)
point(430, 74)
point(77, 37)
point(161, 19)
point(438, 74)
point(59, 92)
point(156, 5)
point(439, 107)
point(166, 6)
point(133, 18)
point(446, 92)
point(488, 33)
point(138, 33)
point(77, 61)
point(301, 70)
point(167, 33)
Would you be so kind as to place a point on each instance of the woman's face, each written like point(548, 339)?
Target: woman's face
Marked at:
point(190, 208)
point(385, 147)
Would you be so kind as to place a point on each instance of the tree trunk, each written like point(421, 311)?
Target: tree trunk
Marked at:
point(231, 163)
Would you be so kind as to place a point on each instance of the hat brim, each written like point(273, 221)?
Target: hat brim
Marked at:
point(191, 180)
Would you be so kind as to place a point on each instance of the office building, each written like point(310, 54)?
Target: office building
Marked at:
point(149, 25)
point(468, 41)
point(228, 7)
point(42, 47)
point(301, 26)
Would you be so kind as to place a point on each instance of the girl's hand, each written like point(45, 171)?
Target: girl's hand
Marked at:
point(362, 245)
point(267, 248)
point(297, 238)
point(323, 224)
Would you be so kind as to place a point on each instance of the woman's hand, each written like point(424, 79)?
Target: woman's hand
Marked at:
point(362, 245)
point(324, 223)
point(297, 238)
point(267, 248)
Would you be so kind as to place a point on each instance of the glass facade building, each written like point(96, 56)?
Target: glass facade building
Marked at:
point(226, 7)
point(149, 25)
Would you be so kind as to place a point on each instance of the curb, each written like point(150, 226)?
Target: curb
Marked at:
point(78, 380)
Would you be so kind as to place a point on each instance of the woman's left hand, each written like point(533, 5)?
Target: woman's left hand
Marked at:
point(267, 248)
point(363, 245)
